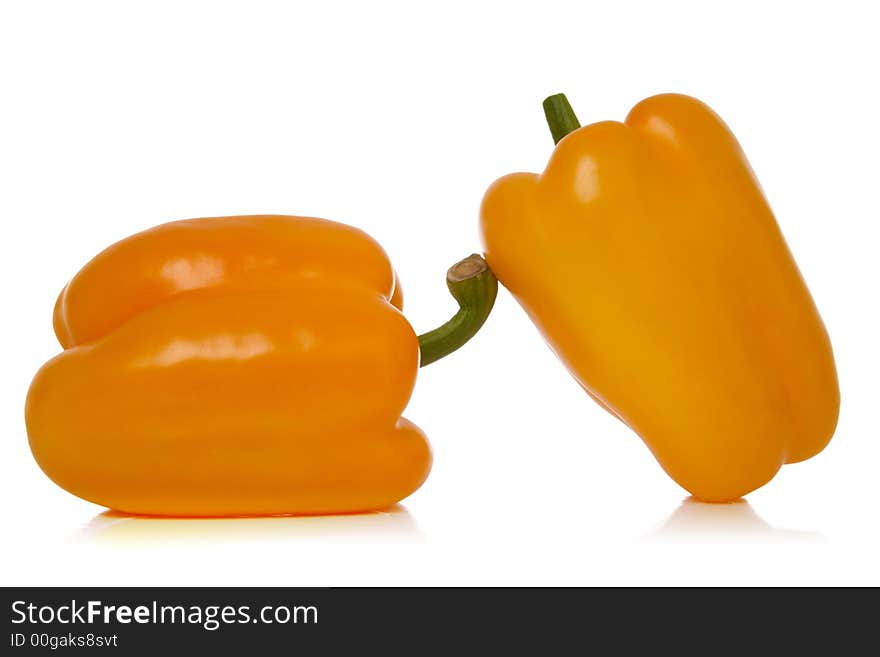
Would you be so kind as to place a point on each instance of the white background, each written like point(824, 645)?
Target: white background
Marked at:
point(395, 117)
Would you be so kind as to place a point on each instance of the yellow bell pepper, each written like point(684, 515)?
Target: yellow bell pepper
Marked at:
point(249, 365)
point(648, 256)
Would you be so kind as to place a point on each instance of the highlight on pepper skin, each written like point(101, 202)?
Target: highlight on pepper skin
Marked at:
point(251, 365)
point(649, 258)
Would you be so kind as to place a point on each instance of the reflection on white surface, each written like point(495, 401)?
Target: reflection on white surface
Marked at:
point(736, 522)
point(393, 525)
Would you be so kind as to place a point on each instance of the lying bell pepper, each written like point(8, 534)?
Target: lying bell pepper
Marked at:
point(241, 366)
point(649, 258)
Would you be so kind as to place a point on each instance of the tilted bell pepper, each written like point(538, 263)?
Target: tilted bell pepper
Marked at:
point(647, 255)
point(241, 366)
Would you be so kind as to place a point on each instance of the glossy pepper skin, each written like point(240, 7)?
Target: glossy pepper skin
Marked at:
point(232, 366)
point(649, 258)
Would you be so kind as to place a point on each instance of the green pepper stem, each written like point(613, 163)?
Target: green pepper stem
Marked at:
point(474, 287)
point(560, 116)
